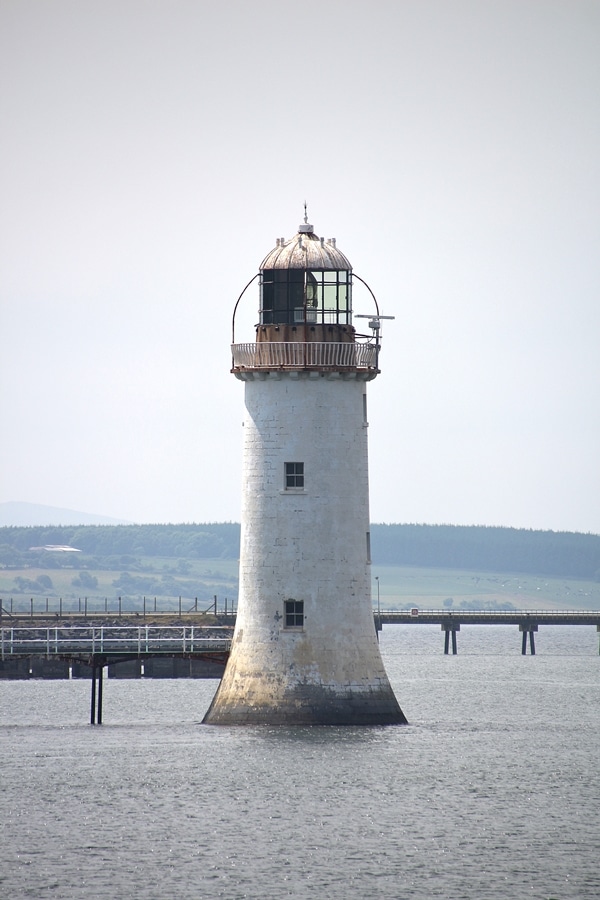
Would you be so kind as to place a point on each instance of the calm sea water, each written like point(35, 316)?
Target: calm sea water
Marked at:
point(492, 791)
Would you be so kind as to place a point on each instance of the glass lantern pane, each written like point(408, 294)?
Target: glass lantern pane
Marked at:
point(330, 296)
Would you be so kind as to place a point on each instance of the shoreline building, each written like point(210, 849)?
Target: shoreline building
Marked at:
point(305, 650)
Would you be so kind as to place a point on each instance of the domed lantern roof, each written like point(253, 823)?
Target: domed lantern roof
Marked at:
point(306, 250)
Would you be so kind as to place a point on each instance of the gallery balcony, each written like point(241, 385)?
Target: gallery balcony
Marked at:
point(263, 357)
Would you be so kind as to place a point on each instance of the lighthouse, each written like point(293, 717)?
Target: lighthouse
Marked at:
point(304, 648)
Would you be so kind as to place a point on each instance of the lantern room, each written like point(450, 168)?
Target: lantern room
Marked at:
point(305, 291)
point(305, 313)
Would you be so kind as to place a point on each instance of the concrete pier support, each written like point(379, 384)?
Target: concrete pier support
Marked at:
point(450, 628)
point(528, 629)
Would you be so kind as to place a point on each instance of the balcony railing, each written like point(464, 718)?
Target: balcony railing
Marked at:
point(302, 356)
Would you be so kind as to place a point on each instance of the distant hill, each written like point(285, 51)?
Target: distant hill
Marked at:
point(31, 514)
point(476, 548)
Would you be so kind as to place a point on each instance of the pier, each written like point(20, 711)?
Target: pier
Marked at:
point(528, 621)
point(98, 646)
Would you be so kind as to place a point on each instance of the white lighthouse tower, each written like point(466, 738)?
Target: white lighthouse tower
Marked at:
point(304, 649)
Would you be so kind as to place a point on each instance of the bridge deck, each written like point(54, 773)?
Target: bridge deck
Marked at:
point(485, 617)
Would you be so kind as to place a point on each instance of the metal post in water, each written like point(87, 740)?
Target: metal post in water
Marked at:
point(93, 700)
point(100, 681)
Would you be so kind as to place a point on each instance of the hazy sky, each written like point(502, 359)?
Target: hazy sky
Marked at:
point(153, 151)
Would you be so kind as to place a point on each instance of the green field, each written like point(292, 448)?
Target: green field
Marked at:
point(435, 588)
point(167, 579)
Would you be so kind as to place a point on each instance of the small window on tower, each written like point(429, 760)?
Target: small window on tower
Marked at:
point(294, 613)
point(294, 476)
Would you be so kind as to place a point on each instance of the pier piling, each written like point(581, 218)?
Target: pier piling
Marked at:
point(450, 628)
point(97, 685)
point(528, 628)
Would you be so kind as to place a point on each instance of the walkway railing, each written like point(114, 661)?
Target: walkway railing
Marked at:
point(113, 640)
point(299, 356)
point(489, 617)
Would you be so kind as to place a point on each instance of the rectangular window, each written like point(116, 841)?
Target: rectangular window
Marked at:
point(294, 475)
point(294, 613)
point(369, 547)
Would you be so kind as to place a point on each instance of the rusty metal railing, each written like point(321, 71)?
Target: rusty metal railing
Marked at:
point(296, 355)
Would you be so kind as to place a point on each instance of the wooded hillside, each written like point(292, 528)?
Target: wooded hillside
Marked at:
point(435, 546)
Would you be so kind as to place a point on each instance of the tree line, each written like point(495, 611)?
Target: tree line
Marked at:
point(479, 548)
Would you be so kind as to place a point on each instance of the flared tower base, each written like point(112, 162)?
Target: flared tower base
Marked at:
point(311, 705)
